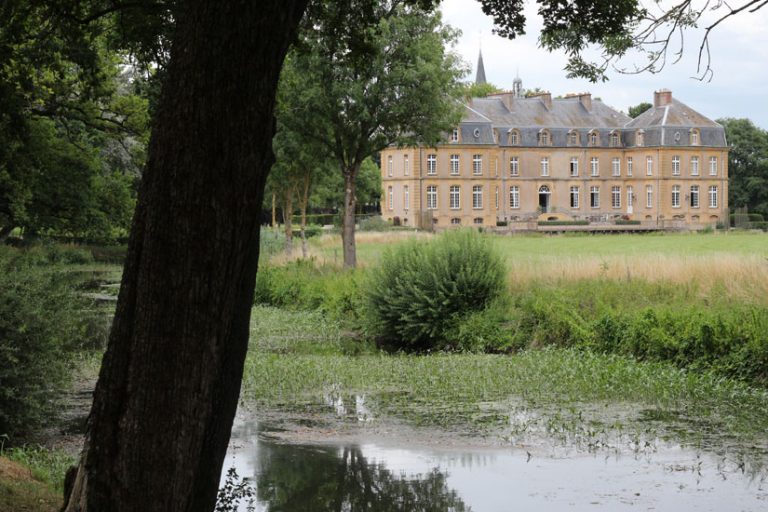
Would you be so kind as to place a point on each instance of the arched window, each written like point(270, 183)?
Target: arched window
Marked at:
point(594, 138)
point(640, 138)
point(573, 138)
point(615, 139)
point(694, 137)
point(514, 136)
point(545, 138)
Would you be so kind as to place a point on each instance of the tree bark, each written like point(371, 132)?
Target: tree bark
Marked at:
point(348, 221)
point(288, 221)
point(170, 379)
point(303, 206)
point(274, 210)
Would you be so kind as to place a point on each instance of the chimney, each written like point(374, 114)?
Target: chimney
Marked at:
point(546, 97)
point(662, 98)
point(506, 97)
point(585, 99)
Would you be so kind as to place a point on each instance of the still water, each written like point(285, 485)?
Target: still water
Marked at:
point(389, 475)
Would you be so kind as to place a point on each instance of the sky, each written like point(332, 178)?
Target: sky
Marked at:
point(739, 49)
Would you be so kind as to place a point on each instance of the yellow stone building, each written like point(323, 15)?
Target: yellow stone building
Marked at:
point(514, 161)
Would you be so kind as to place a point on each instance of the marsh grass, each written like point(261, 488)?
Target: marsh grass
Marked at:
point(582, 398)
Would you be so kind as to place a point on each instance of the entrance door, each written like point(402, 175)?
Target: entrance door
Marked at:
point(544, 195)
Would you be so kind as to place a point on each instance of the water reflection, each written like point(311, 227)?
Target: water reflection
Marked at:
point(371, 477)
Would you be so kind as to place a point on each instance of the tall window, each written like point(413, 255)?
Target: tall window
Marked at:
point(614, 139)
point(477, 197)
point(594, 197)
point(390, 198)
point(649, 166)
point(594, 167)
point(675, 166)
point(629, 166)
point(406, 165)
point(616, 197)
point(514, 166)
point(455, 135)
point(675, 196)
point(477, 164)
point(431, 164)
point(574, 197)
point(406, 197)
point(593, 139)
point(514, 138)
point(713, 196)
point(432, 197)
point(496, 198)
point(694, 166)
point(545, 166)
point(574, 166)
point(694, 196)
point(573, 138)
point(390, 166)
point(616, 167)
point(455, 197)
point(630, 197)
point(514, 196)
point(649, 196)
point(454, 165)
point(713, 166)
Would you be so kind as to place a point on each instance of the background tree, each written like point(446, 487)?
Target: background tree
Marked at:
point(475, 90)
point(639, 109)
point(747, 165)
point(361, 86)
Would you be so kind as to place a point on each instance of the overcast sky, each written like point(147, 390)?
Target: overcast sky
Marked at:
point(739, 47)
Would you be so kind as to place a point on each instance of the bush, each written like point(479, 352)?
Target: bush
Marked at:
point(422, 291)
point(40, 324)
point(563, 223)
point(375, 223)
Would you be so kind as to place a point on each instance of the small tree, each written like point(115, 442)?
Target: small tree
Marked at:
point(361, 81)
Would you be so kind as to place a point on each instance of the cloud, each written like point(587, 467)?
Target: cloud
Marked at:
point(739, 58)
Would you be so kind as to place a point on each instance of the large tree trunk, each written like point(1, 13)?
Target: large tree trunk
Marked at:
point(348, 221)
point(169, 383)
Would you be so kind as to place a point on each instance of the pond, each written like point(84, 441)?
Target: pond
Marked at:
point(324, 466)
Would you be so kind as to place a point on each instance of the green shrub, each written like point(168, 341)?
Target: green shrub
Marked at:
point(422, 291)
point(310, 230)
point(563, 223)
point(40, 325)
point(374, 223)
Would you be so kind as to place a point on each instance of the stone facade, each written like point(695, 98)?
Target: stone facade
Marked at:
point(514, 161)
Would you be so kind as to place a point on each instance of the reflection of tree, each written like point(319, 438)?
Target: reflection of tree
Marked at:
point(297, 478)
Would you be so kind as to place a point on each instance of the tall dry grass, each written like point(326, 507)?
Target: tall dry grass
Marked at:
point(327, 249)
point(743, 277)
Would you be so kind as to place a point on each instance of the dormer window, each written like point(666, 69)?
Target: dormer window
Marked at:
point(573, 138)
point(640, 138)
point(545, 138)
point(455, 135)
point(495, 136)
point(594, 139)
point(514, 137)
point(694, 137)
point(615, 139)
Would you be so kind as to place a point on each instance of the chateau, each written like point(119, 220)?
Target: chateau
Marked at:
point(515, 162)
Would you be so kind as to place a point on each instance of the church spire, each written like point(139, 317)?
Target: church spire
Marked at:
point(480, 77)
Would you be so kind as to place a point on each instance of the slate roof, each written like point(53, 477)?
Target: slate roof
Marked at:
point(667, 125)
